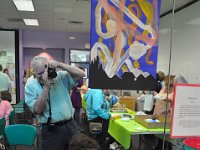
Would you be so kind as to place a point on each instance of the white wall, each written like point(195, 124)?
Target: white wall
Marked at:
point(186, 44)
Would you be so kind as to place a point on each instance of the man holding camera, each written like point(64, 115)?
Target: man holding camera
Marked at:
point(47, 95)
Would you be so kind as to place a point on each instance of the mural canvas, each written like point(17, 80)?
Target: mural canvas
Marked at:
point(124, 44)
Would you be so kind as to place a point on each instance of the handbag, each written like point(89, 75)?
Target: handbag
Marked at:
point(95, 127)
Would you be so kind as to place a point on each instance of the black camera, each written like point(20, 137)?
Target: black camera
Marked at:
point(52, 73)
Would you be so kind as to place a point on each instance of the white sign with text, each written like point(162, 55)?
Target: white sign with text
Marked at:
point(186, 111)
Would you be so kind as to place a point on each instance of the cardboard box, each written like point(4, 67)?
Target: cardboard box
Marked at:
point(129, 101)
point(141, 119)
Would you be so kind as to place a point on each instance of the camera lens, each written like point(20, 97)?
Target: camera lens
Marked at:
point(52, 73)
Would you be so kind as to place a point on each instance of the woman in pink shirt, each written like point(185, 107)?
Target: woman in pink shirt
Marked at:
point(5, 109)
point(160, 104)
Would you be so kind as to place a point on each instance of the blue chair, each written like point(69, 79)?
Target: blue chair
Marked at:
point(21, 134)
point(2, 129)
point(12, 117)
point(23, 114)
point(2, 126)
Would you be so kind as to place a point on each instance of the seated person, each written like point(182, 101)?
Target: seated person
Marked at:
point(161, 77)
point(112, 99)
point(160, 104)
point(5, 109)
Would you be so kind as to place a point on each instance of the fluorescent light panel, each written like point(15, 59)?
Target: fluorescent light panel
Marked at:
point(195, 21)
point(24, 5)
point(31, 22)
point(72, 38)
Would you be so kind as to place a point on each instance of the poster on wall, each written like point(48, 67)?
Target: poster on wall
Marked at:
point(124, 44)
point(186, 112)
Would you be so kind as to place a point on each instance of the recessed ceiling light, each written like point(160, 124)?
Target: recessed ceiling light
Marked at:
point(31, 22)
point(24, 5)
point(72, 38)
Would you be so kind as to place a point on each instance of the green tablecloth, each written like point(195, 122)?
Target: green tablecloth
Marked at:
point(121, 131)
point(83, 102)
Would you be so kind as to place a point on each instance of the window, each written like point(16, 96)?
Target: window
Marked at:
point(9, 59)
point(79, 56)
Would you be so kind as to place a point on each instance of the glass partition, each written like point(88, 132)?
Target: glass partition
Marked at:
point(9, 59)
point(153, 118)
point(184, 65)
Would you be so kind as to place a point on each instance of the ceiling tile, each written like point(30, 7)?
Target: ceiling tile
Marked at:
point(56, 14)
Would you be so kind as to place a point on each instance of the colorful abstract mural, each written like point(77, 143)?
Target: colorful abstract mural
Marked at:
point(124, 44)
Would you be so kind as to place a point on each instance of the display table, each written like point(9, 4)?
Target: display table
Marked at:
point(123, 131)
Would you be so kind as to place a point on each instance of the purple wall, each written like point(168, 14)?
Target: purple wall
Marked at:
point(55, 54)
point(48, 39)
